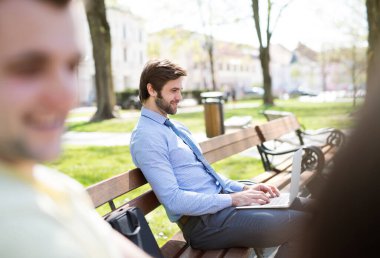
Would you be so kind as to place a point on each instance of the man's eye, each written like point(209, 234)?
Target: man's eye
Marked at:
point(73, 66)
point(26, 70)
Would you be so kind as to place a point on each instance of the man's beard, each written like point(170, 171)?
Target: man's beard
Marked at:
point(164, 105)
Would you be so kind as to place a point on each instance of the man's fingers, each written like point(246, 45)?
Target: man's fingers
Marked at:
point(275, 191)
point(271, 190)
point(261, 196)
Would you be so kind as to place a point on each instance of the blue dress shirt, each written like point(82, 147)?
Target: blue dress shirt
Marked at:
point(179, 180)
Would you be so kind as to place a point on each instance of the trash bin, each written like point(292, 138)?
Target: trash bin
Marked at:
point(213, 110)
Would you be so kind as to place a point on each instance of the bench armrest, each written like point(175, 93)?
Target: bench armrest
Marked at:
point(312, 159)
point(335, 138)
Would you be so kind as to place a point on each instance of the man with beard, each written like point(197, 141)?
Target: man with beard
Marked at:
point(198, 199)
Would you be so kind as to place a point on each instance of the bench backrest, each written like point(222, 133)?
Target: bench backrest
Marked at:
point(275, 114)
point(274, 129)
point(214, 149)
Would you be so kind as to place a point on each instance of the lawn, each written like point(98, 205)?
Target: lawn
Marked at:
point(92, 164)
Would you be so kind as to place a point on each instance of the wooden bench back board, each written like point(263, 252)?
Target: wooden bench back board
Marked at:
point(223, 146)
point(274, 129)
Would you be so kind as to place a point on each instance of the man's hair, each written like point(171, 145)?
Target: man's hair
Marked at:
point(158, 73)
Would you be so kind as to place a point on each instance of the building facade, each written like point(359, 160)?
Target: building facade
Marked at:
point(128, 53)
point(236, 66)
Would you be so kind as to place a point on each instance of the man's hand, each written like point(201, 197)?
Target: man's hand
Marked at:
point(249, 197)
point(257, 193)
point(268, 189)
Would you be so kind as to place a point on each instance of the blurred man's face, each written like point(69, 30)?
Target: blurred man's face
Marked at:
point(38, 60)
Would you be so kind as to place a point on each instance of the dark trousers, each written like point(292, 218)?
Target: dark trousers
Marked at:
point(252, 228)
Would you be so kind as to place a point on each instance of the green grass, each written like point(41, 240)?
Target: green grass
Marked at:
point(90, 165)
point(319, 115)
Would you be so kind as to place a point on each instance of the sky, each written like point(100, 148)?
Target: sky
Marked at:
point(319, 24)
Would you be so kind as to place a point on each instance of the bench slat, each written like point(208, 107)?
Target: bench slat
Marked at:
point(280, 180)
point(278, 127)
point(174, 247)
point(263, 177)
point(220, 147)
point(147, 202)
point(113, 187)
point(191, 253)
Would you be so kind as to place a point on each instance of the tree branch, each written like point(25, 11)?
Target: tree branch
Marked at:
point(256, 18)
point(279, 15)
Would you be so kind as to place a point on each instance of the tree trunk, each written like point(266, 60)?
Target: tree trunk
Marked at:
point(210, 51)
point(373, 15)
point(101, 50)
point(264, 54)
point(265, 60)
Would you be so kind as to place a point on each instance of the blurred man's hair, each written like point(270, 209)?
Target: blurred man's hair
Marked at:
point(158, 73)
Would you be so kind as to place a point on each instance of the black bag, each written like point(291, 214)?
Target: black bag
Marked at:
point(132, 224)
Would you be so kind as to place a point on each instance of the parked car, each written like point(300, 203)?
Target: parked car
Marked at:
point(302, 92)
point(253, 92)
point(132, 102)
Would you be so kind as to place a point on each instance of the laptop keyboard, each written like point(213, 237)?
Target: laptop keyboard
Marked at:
point(282, 199)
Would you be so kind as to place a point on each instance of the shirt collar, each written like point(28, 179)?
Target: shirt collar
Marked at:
point(153, 115)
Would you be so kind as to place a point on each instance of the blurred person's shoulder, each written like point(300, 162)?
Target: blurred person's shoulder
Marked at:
point(54, 218)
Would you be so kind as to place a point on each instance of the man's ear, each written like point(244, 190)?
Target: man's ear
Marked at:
point(151, 91)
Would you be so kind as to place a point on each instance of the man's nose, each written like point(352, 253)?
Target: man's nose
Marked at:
point(179, 95)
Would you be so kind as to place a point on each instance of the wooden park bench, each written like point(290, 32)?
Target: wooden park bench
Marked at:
point(214, 149)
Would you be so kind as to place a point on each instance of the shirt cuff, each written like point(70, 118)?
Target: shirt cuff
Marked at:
point(224, 200)
point(236, 186)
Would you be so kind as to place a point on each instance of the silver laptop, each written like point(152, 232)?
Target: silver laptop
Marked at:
point(285, 199)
